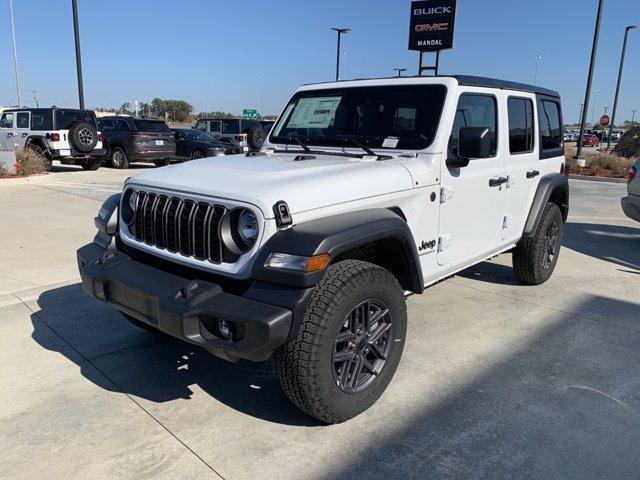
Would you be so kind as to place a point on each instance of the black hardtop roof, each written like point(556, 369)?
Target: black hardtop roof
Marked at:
point(29, 109)
point(472, 81)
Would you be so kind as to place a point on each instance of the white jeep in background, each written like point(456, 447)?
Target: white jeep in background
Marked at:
point(364, 192)
point(65, 134)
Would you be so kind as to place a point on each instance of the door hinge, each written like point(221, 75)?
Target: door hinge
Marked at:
point(506, 222)
point(445, 194)
point(443, 242)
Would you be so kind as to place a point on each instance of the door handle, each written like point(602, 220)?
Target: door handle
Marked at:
point(497, 181)
point(9, 135)
point(532, 173)
point(24, 134)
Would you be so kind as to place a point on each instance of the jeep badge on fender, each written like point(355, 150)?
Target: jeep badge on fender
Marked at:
point(307, 249)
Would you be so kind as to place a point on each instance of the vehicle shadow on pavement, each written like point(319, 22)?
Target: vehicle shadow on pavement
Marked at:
point(561, 401)
point(612, 243)
point(154, 367)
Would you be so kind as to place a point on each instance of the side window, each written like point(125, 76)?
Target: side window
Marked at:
point(230, 127)
point(521, 131)
point(6, 121)
point(22, 120)
point(106, 124)
point(550, 127)
point(41, 120)
point(215, 126)
point(201, 125)
point(122, 126)
point(475, 110)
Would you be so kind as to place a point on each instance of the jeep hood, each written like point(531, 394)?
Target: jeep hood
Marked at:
point(263, 180)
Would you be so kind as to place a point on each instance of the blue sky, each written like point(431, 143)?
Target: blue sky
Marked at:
point(217, 54)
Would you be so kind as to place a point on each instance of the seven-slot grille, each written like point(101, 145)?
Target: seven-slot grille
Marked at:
point(179, 225)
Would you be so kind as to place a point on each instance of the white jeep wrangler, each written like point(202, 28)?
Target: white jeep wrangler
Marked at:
point(364, 192)
point(66, 134)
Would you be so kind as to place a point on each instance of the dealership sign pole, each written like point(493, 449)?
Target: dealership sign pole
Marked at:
point(431, 29)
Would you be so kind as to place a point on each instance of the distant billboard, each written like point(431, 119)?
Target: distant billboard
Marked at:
point(431, 25)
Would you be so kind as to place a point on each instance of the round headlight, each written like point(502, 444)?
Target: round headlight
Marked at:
point(248, 227)
point(129, 204)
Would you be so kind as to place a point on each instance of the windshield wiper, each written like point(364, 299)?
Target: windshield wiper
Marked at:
point(362, 147)
point(301, 143)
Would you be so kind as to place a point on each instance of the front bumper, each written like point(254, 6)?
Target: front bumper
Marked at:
point(631, 207)
point(186, 309)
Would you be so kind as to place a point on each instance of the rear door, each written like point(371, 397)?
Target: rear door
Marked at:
point(522, 162)
point(21, 129)
point(471, 201)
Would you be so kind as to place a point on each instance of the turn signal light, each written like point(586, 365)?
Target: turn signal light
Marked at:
point(54, 137)
point(317, 262)
point(632, 173)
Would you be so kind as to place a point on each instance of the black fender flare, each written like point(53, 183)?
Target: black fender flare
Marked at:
point(337, 234)
point(39, 140)
point(553, 187)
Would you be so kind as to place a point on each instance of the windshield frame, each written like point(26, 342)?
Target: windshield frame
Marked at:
point(345, 141)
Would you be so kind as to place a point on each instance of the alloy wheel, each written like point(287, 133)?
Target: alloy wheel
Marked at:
point(362, 346)
point(551, 238)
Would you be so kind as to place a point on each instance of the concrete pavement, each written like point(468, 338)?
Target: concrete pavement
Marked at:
point(497, 379)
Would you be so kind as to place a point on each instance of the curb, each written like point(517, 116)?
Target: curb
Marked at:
point(32, 179)
point(597, 179)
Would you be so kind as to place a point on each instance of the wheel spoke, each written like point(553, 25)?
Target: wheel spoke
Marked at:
point(344, 374)
point(377, 316)
point(375, 349)
point(377, 334)
point(345, 336)
point(343, 356)
point(357, 369)
point(369, 367)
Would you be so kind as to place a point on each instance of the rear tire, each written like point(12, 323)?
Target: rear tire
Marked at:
point(327, 370)
point(163, 162)
point(119, 158)
point(46, 161)
point(535, 257)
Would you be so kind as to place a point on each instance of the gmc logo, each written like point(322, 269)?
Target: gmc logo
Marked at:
point(431, 11)
point(432, 27)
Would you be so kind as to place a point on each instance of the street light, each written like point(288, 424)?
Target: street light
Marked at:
point(340, 32)
point(595, 103)
point(76, 34)
point(605, 109)
point(15, 53)
point(535, 76)
point(592, 63)
point(615, 101)
point(400, 71)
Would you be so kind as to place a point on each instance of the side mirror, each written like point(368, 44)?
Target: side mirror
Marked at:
point(474, 142)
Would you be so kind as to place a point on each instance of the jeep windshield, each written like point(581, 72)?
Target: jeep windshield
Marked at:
point(402, 117)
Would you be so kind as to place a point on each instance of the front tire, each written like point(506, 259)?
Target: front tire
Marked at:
point(535, 257)
point(197, 154)
point(163, 162)
point(349, 343)
point(119, 158)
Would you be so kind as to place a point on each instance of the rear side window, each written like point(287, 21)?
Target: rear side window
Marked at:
point(41, 120)
point(22, 120)
point(122, 126)
point(215, 126)
point(65, 118)
point(106, 124)
point(475, 110)
point(149, 126)
point(550, 127)
point(230, 127)
point(520, 125)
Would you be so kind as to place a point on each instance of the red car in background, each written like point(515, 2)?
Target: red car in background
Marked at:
point(590, 140)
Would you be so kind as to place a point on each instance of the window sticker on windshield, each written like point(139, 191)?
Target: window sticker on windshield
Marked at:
point(314, 112)
point(390, 142)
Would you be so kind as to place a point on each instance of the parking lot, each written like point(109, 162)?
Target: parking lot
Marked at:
point(498, 380)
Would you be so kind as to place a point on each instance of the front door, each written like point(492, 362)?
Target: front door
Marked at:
point(21, 129)
point(7, 141)
point(472, 197)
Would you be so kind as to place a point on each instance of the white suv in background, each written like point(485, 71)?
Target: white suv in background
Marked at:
point(364, 192)
point(64, 134)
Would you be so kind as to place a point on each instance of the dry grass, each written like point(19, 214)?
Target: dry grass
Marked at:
point(28, 162)
point(3, 171)
point(609, 163)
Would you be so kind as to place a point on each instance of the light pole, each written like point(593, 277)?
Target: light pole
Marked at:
point(340, 32)
point(262, 95)
point(15, 53)
point(535, 76)
point(633, 116)
point(400, 71)
point(592, 63)
point(615, 100)
point(605, 109)
point(581, 108)
point(595, 103)
point(76, 34)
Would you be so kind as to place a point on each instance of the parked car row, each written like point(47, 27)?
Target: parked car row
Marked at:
point(75, 136)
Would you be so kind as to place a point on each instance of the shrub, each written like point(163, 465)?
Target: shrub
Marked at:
point(608, 162)
point(569, 153)
point(3, 171)
point(28, 162)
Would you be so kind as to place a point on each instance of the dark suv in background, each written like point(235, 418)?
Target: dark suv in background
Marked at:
point(246, 134)
point(129, 139)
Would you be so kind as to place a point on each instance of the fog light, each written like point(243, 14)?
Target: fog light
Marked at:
point(225, 329)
